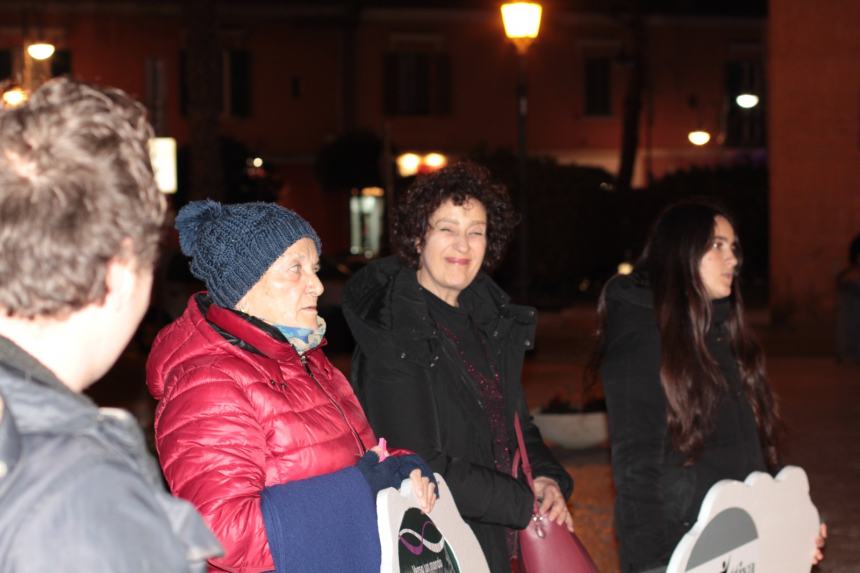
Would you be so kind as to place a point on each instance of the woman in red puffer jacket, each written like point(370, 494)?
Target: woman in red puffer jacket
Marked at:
point(247, 398)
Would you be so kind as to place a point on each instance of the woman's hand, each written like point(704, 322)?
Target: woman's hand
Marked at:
point(392, 471)
point(818, 556)
point(424, 490)
point(552, 503)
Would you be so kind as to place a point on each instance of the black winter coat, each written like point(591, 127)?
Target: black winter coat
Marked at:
point(658, 497)
point(417, 394)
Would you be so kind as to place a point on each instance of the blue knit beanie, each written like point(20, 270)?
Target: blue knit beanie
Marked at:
point(232, 246)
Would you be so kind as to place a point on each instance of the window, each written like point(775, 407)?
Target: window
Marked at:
point(238, 82)
point(598, 86)
point(744, 127)
point(235, 79)
point(417, 82)
point(366, 208)
point(156, 93)
point(61, 63)
point(5, 64)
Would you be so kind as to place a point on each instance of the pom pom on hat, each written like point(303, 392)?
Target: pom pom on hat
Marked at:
point(189, 220)
point(232, 246)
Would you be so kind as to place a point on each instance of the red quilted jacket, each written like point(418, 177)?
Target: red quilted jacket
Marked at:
point(240, 410)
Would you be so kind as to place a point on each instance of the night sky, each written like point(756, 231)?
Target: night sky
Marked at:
point(682, 7)
point(704, 8)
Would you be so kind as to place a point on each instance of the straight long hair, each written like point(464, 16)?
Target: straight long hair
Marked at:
point(689, 374)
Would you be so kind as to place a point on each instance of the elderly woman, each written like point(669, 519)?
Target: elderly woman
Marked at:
point(254, 425)
point(440, 353)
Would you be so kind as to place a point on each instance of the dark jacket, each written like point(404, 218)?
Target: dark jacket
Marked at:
point(658, 497)
point(417, 393)
point(78, 490)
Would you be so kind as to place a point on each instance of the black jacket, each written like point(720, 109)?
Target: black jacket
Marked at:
point(658, 498)
point(418, 395)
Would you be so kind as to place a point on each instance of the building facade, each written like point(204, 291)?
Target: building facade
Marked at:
point(814, 146)
point(292, 77)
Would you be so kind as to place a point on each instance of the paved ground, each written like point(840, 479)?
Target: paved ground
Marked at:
point(820, 402)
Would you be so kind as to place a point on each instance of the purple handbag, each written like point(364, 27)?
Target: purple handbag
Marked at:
point(545, 546)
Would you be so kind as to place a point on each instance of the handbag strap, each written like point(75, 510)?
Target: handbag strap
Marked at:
point(522, 454)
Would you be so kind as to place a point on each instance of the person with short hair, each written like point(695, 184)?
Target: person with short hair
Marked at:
point(848, 307)
point(80, 221)
point(440, 351)
point(254, 425)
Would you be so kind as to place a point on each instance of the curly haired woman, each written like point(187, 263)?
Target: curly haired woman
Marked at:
point(440, 354)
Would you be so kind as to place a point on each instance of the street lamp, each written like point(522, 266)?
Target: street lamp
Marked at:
point(699, 137)
point(41, 50)
point(522, 25)
point(747, 100)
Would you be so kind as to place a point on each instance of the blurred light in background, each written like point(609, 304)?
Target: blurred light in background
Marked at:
point(162, 154)
point(254, 167)
point(409, 164)
point(747, 101)
point(625, 268)
point(40, 50)
point(14, 97)
point(435, 161)
point(699, 137)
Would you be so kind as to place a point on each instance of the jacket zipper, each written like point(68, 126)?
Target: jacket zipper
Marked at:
point(362, 450)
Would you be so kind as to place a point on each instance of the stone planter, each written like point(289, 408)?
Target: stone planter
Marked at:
point(575, 430)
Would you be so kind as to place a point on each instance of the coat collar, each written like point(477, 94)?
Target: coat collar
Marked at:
point(386, 296)
point(249, 332)
point(16, 357)
point(35, 400)
point(40, 398)
point(10, 440)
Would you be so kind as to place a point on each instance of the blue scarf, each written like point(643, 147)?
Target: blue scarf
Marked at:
point(303, 339)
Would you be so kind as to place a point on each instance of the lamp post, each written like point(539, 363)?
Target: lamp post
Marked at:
point(522, 24)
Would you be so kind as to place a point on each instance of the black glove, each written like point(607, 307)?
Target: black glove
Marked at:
point(392, 471)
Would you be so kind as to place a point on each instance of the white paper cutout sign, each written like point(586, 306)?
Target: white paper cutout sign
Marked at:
point(760, 525)
point(414, 542)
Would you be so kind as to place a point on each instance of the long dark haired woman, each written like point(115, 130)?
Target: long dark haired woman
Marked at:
point(688, 399)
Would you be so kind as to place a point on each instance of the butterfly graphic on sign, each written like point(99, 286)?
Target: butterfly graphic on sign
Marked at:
point(422, 548)
point(414, 542)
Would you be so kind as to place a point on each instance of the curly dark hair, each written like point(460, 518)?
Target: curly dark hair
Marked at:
point(458, 183)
